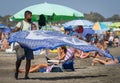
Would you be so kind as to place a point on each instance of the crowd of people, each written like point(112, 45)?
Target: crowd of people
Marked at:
point(102, 41)
point(65, 54)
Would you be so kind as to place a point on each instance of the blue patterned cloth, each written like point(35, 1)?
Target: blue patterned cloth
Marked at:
point(51, 39)
point(44, 39)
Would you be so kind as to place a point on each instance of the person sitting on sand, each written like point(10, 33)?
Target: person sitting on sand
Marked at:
point(116, 41)
point(4, 41)
point(107, 61)
point(102, 45)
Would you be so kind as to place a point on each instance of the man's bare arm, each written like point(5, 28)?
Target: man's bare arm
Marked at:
point(16, 29)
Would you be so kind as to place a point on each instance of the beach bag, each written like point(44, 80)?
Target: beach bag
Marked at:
point(17, 47)
point(68, 65)
point(56, 69)
point(19, 50)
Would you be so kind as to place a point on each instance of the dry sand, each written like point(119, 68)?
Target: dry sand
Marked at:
point(84, 72)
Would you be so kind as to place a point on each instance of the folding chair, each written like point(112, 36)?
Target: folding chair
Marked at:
point(64, 65)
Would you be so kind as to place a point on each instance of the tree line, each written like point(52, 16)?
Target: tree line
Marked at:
point(92, 16)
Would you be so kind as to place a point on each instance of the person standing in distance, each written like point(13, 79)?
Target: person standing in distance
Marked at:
point(28, 54)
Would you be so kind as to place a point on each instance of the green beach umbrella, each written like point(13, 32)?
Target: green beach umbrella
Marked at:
point(51, 11)
point(115, 25)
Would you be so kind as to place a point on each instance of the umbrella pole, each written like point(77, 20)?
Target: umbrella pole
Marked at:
point(46, 52)
point(46, 55)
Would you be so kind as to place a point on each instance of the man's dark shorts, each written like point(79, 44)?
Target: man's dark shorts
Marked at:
point(28, 55)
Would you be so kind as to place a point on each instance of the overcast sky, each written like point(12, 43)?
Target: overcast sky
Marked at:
point(107, 8)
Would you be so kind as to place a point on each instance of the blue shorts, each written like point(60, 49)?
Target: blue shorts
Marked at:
point(42, 70)
point(28, 55)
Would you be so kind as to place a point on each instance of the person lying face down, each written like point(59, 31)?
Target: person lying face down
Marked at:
point(81, 54)
point(107, 61)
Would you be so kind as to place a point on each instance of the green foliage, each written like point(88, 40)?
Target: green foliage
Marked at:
point(98, 17)
point(114, 18)
point(5, 20)
point(94, 17)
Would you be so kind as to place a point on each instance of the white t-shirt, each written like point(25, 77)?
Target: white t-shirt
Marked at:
point(26, 25)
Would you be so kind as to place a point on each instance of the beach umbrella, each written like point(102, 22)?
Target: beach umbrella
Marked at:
point(51, 28)
point(116, 29)
point(78, 22)
point(48, 9)
point(7, 30)
point(38, 39)
point(2, 26)
point(87, 26)
point(88, 31)
point(107, 23)
point(99, 27)
point(115, 25)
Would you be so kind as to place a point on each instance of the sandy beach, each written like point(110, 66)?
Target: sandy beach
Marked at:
point(84, 72)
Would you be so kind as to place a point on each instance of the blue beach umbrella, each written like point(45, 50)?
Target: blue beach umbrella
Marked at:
point(107, 23)
point(2, 26)
point(51, 39)
point(88, 31)
point(6, 30)
point(78, 22)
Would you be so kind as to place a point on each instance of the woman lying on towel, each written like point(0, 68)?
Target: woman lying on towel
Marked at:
point(101, 45)
point(107, 61)
point(63, 54)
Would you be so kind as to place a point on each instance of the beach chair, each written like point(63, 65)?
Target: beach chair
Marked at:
point(64, 65)
point(10, 50)
point(54, 67)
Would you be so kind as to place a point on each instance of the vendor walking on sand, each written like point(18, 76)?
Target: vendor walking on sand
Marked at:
point(28, 54)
